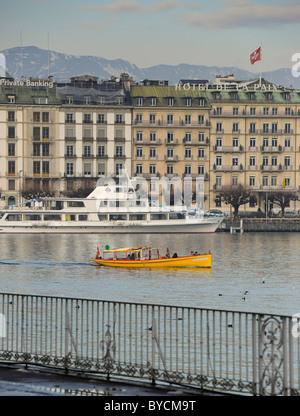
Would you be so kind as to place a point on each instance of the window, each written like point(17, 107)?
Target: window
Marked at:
point(11, 149)
point(235, 142)
point(274, 111)
point(36, 149)
point(45, 133)
point(170, 101)
point(36, 117)
point(170, 119)
point(235, 161)
point(201, 120)
point(219, 127)
point(45, 149)
point(274, 142)
point(45, 167)
point(252, 142)
point(188, 137)
point(87, 169)
point(152, 101)
point(69, 99)
point(36, 133)
point(11, 133)
point(274, 160)
point(219, 180)
point(252, 127)
point(266, 111)
point(139, 169)
point(69, 118)
point(101, 169)
point(287, 111)
point(11, 99)
point(252, 181)
point(152, 136)
point(265, 128)
point(219, 111)
point(287, 142)
point(219, 142)
point(139, 136)
point(70, 151)
point(235, 111)
point(139, 119)
point(201, 137)
point(200, 153)
point(11, 185)
point(200, 169)
point(273, 180)
point(11, 116)
point(187, 169)
point(265, 180)
point(188, 153)
point(87, 118)
point(101, 151)
point(252, 111)
point(265, 161)
point(170, 169)
point(287, 162)
point(287, 128)
point(235, 127)
point(187, 102)
point(139, 152)
point(152, 152)
point(287, 182)
point(119, 151)
point(101, 119)
point(187, 119)
point(274, 128)
point(219, 160)
point(265, 142)
point(152, 119)
point(170, 153)
point(201, 102)
point(170, 137)
point(45, 117)
point(87, 151)
point(252, 161)
point(11, 167)
point(234, 181)
point(152, 169)
point(36, 168)
point(70, 168)
point(119, 118)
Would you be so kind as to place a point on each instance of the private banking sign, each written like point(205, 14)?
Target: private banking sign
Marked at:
point(27, 83)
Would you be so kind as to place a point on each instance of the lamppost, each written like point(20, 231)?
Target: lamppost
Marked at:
point(20, 184)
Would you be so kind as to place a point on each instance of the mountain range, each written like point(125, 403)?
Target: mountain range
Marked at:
point(40, 63)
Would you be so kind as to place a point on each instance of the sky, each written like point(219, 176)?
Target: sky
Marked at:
point(148, 33)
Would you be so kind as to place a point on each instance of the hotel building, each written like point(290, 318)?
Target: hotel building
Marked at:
point(63, 137)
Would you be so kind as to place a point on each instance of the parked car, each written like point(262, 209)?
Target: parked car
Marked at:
point(216, 212)
point(251, 214)
point(290, 213)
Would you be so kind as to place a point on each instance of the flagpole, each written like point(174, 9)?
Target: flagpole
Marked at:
point(260, 65)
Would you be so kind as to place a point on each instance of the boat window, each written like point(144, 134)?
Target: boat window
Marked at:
point(52, 217)
point(158, 216)
point(75, 204)
point(70, 217)
point(34, 217)
point(120, 255)
point(145, 253)
point(108, 255)
point(117, 204)
point(137, 217)
point(114, 217)
point(102, 217)
point(103, 203)
point(13, 217)
point(82, 217)
point(154, 253)
point(176, 215)
point(1, 216)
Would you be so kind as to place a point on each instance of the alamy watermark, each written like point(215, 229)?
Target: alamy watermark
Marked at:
point(296, 67)
point(2, 326)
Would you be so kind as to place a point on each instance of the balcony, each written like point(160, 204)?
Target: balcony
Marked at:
point(229, 149)
point(271, 168)
point(271, 149)
point(228, 168)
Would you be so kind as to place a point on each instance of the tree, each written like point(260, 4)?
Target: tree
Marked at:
point(235, 195)
point(282, 199)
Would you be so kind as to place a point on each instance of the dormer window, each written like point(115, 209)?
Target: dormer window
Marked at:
point(152, 101)
point(11, 99)
point(139, 101)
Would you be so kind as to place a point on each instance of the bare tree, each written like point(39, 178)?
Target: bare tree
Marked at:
point(282, 199)
point(235, 195)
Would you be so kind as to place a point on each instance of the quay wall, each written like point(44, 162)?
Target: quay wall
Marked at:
point(261, 224)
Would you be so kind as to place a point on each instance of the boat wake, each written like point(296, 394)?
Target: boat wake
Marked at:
point(42, 263)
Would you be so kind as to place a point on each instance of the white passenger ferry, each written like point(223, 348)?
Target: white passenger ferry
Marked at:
point(108, 209)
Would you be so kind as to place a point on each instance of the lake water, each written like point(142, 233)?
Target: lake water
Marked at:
point(265, 265)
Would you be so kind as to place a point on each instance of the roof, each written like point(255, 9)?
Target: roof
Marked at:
point(126, 249)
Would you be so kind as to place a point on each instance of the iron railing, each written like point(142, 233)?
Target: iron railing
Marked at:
point(250, 353)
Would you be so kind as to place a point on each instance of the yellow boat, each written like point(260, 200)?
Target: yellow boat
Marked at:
point(147, 257)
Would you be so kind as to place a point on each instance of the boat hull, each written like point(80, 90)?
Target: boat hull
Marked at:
point(90, 228)
point(201, 261)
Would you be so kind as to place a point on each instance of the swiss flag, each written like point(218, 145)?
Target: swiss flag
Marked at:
point(255, 56)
